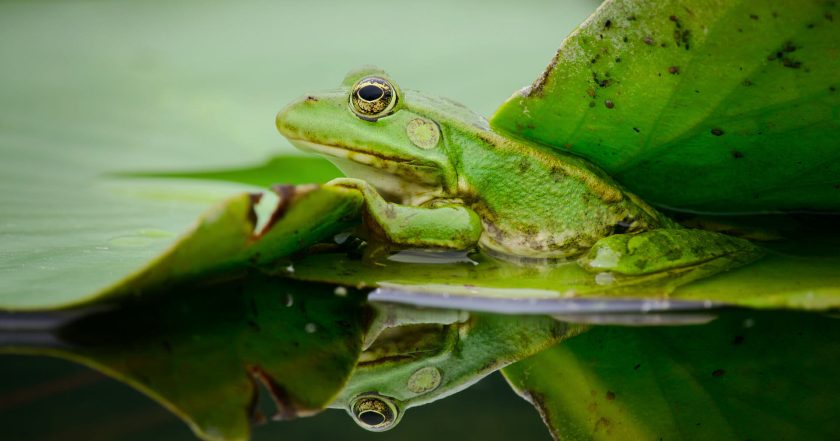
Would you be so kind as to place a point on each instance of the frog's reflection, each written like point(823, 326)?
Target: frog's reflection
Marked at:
point(414, 356)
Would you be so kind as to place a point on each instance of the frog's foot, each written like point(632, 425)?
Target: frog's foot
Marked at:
point(446, 225)
point(669, 249)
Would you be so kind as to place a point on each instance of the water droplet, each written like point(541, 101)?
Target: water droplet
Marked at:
point(290, 269)
point(340, 291)
point(290, 300)
point(604, 278)
point(340, 238)
point(748, 323)
point(310, 328)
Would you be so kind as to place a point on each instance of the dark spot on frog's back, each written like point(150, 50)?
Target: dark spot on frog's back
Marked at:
point(524, 165)
point(737, 155)
point(389, 211)
point(717, 131)
point(674, 253)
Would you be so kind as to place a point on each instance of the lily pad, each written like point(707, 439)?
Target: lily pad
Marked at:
point(748, 375)
point(798, 271)
point(700, 106)
point(226, 238)
point(217, 354)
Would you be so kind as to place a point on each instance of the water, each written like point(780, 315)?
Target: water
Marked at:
point(202, 348)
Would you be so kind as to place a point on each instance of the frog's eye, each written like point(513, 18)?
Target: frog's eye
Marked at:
point(372, 98)
point(374, 412)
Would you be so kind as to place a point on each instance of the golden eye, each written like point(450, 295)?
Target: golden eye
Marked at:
point(372, 98)
point(374, 412)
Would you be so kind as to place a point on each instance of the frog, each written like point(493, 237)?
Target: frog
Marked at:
point(414, 355)
point(434, 174)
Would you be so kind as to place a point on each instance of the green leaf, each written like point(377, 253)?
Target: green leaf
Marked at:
point(748, 375)
point(223, 240)
point(716, 106)
point(291, 169)
point(216, 354)
point(799, 271)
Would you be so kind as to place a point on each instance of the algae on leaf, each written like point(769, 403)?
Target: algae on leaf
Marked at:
point(715, 106)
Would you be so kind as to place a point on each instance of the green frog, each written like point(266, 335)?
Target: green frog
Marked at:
point(414, 356)
point(436, 175)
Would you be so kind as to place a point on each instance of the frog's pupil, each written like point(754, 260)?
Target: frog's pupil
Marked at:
point(371, 93)
point(372, 418)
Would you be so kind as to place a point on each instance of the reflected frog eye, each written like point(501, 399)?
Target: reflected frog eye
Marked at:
point(374, 412)
point(372, 98)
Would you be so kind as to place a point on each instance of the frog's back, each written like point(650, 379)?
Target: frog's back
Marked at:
point(531, 197)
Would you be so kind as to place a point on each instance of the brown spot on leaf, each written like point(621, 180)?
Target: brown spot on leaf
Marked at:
point(609, 104)
point(718, 373)
point(254, 199)
point(674, 70)
point(610, 395)
point(285, 408)
point(717, 132)
point(286, 194)
point(648, 40)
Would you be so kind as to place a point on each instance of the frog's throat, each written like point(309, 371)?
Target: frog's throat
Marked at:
point(392, 175)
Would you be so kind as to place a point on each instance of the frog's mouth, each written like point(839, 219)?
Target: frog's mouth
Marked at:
point(391, 175)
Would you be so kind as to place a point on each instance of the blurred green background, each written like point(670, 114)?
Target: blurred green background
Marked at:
point(179, 78)
point(93, 87)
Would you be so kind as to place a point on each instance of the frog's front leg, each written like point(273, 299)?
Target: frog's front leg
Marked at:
point(667, 249)
point(446, 225)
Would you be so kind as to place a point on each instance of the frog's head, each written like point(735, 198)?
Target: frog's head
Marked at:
point(398, 141)
point(413, 356)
